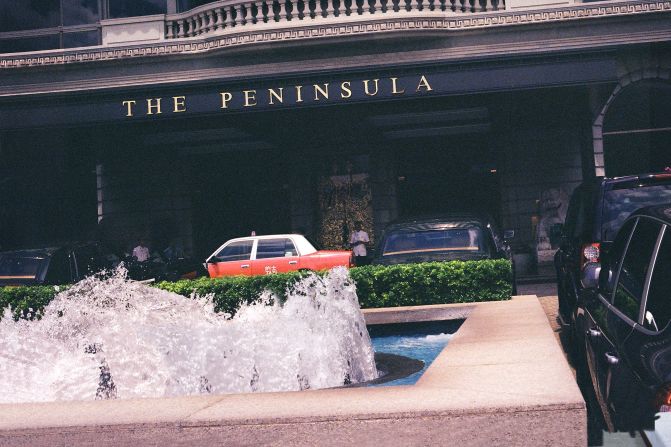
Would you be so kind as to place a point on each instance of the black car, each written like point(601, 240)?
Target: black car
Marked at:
point(72, 262)
point(624, 312)
point(596, 212)
point(445, 237)
point(64, 264)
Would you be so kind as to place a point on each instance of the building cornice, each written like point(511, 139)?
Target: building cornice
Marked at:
point(337, 27)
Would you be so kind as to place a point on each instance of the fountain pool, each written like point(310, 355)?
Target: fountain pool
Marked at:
point(110, 338)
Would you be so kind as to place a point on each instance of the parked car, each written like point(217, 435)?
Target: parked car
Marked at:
point(596, 212)
point(63, 264)
point(262, 255)
point(72, 262)
point(624, 312)
point(445, 237)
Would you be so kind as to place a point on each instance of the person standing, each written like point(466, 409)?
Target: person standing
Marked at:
point(358, 240)
point(141, 252)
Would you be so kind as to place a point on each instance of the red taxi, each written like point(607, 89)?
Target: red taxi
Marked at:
point(264, 255)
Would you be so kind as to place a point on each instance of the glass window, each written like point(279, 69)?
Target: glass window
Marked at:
point(132, 8)
point(79, 12)
point(49, 42)
point(635, 267)
point(185, 5)
point(58, 270)
point(453, 239)
point(275, 248)
point(18, 15)
point(81, 39)
point(658, 308)
point(18, 266)
point(236, 251)
point(620, 203)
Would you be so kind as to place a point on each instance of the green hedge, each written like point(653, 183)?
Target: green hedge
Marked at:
point(377, 286)
point(26, 302)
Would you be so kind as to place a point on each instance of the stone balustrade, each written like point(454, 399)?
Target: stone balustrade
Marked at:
point(229, 14)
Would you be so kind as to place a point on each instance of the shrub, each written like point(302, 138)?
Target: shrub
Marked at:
point(377, 286)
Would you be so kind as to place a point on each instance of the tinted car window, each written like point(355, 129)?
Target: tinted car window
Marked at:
point(20, 266)
point(275, 248)
point(236, 251)
point(580, 215)
point(635, 266)
point(659, 294)
point(89, 260)
point(620, 203)
point(58, 270)
point(456, 239)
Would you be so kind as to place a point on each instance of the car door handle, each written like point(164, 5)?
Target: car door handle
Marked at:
point(593, 333)
point(611, 359)
point(293, 262)
point(244, 266)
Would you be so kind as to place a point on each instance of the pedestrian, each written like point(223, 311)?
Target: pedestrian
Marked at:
point(141, 252)
point(358, 240)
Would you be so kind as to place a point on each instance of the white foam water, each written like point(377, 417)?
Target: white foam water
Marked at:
point(112, 338)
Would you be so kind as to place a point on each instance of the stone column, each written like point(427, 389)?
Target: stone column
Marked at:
point(383, 184)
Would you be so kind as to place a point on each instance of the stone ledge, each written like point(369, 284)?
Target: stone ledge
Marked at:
point(502, 380)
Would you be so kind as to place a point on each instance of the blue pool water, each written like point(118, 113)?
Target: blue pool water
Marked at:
point(419, 341)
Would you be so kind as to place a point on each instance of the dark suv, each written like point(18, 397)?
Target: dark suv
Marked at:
point(624, 312)
point(596, 212)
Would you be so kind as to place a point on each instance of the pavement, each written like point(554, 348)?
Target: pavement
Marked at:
point(547, 296)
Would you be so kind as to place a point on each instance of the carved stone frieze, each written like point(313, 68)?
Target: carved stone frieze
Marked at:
point(384, 24)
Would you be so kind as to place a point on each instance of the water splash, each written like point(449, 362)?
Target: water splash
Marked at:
point(108, 338)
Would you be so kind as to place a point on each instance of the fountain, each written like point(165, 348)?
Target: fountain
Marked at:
point(110, 338)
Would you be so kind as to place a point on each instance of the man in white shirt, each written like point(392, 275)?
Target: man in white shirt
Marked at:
point(358, 241)
point(141, 252)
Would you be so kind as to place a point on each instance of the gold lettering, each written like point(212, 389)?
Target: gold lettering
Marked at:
point(129, 107)
point(345, 91)
point(423, 83)
point(272, 93)
point(365, 87)
point(153, 106)
point(179, 103)
point(299, 97)
point(225, 99)
point(394, 89)
point(250, 98)
point(323, 91)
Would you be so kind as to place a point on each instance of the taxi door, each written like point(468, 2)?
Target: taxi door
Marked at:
point(277, 255)
point(233, 259)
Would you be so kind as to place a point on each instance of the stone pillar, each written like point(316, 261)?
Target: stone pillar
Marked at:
point(383, 184)
point(303, 200)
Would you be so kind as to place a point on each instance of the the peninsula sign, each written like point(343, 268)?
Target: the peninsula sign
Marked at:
point(278, 96)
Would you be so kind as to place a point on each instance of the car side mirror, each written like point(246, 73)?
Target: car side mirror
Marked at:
point(590, 276)
point(605, 276)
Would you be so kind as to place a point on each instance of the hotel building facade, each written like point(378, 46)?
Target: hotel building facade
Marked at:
point(199, 121)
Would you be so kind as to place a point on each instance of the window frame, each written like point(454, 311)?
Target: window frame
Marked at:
point(638, 323)
point(284, 238)
point(646, 286)
point(231, 243)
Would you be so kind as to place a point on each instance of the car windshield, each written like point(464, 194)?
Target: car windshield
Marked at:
point(15, 266)
point(620, 203)
point(451, 239)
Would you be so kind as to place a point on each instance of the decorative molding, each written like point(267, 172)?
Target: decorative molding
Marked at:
point(421, 22)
